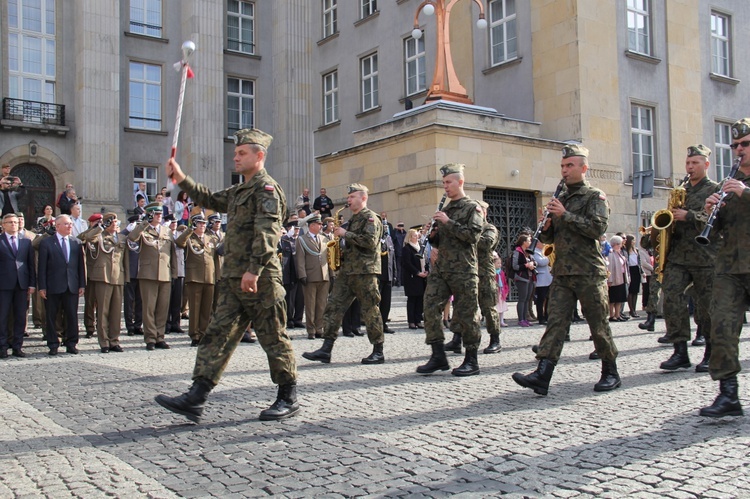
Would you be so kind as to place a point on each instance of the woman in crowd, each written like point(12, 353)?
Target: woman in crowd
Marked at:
point(413, 276)
point(634, 268)
point(502, 288)
point(181, 208)
point(618, 279)
point(543, 281)
point(524, 278)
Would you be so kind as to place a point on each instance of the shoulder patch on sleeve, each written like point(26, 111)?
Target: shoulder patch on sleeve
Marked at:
point(269, 187)
point(602, 196)
point(478, 208)
point(371, 220)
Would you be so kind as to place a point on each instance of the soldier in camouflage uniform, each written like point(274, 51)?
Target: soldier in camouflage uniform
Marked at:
point(689, 262)
point(455, 235)
point(250, 287)
point(357, 278)
point(487, 283)
point(577, 220)
point(649, 241)
point(731, 287)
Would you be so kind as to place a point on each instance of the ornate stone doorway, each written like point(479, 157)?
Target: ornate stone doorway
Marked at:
point(40, 191)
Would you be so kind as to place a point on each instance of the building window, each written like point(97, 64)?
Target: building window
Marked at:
point(145, 17)
point(31, 50)
point(237, 179)
point(639, 27)
point(415, 66)
point(331, 97)
point(369, 75)
point(368, 7)
point(330, 18)
point(145, 96)
point(642, 137)
point(241, 26)
point(503, 37)
point(720, 56)
point(145, 174)
point(240, 105)
point(722, 151)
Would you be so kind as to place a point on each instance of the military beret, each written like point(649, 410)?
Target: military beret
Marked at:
point(741, 128)
point(252, 136)
point(95, 217)
point(314, 219)
point(356, 188)
point(570, 150)
point(155, 206)
point(133, 218)
point(698, 150)
point(451, 168)
point(197, 219)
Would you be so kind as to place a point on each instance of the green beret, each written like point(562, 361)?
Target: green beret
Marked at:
point(155, 206)
point(698, 150)
point(252, 136)
point(574, 150)
point(741, 128)
point(355, 188)
point(451, 168)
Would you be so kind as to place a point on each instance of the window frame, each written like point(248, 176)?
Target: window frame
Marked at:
point(372, 78)
point(637, 154)
point(144, 117)
point(723, 157)
point(330, 17)
point(19, 37)
point(241, 18)
point(644, 15)
point(419, 60)
point(503, 22)
point(242, 98)
point(143, 23)
point(151, 183)
point(331, 93)
point(367, 8)
point(726, 40)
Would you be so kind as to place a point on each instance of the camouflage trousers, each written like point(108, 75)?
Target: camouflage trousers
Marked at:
point(363, 287)
point(654, 295)
point(488, 303)
point(676, 315)
point(729, 300)
point(266, 309)
point(592, 292)
point(463, 287)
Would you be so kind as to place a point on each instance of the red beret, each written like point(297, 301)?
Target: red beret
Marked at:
point(95, 217)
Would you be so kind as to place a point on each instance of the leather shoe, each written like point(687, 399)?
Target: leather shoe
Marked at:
point(116, 348)
point(419, 325)
point(412, 326)
point(17, 352)
point(388, 330)
point(71, 350)
point(131, 332)
point(299, 324)
point(594, 355)
point(52, 351)
point(138, 331)
point(149, 346)
point(176, 329)
point(358, 332)
point(105, 349)
point(89, 334)
point(4, 353)
point(349, 334)
point(194, 343)
point(162, 345)
point(290, 325)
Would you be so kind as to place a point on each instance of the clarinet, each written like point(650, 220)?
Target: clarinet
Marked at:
point(432, 226)
point(702, 239)
point(545, 217)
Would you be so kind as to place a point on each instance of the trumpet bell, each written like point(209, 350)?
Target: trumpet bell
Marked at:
point(662, 219)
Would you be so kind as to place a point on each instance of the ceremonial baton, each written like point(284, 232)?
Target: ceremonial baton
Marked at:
point(188, 48)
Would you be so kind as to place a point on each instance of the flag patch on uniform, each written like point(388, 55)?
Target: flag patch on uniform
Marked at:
point(269, 187)
point(602, 196)
point(370, 219)
point(479, 209)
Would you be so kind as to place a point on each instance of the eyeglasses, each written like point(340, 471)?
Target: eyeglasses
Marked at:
point(745, 144)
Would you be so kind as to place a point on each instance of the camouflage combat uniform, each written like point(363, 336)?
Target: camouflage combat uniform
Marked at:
point(689, 262)
point(487, 283)
point(580, 272)
point(654, 286)
point(358, 277)
point(255, 211)
point(731, 288)
point(455, 273)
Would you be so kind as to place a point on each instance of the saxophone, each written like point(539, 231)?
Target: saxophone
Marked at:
point(334, 247)
point(663, 222)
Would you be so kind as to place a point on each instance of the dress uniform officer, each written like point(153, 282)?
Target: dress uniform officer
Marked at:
point(731, 287)
point(214, 229)
point(455, 272)
point(200, 275)
point(312, 272)
point(357, 278)
point(89, 296)
point(157, 265)
point(577, 220)
point(250, 287)
point(107, 266)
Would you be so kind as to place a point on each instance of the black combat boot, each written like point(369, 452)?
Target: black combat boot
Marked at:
point(470, 365)
point(664, 340)
point(679, 359)
point(376, 357)
point(188, 404)
point(286, 404)
point(454, 344)
point(438, 361)
point(539, 379)
point(727, 403)
point(323, 354)
point(494, 345)
point(648, 324)
point(703, 366)
point(610, 378)
point(699, 340)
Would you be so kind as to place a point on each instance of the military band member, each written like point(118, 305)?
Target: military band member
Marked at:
point(157, 265)
point(689, 263)
point(200, 275)
point(107, 254)
point(731, 287)
point(250, 287)
point(455, 272)
point(650, 241)
point(577, 220)
point(487, 284)
point(312, 272)
point(357, 278)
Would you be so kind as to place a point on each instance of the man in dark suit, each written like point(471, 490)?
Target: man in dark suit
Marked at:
point(61, 282)
point(18, 282)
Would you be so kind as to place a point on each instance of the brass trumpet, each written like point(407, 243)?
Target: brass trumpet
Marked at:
point(549, 252)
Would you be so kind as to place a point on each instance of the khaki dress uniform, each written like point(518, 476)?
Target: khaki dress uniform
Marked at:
point(200, 278)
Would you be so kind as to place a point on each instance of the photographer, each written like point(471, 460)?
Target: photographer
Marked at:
point(67, 201)
point(11, 191)
point(525, 269)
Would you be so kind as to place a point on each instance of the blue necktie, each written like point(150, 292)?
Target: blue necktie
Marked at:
point(65, 249)
point(13, 245)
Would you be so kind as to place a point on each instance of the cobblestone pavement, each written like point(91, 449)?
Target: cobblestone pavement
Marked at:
point(87, 425)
